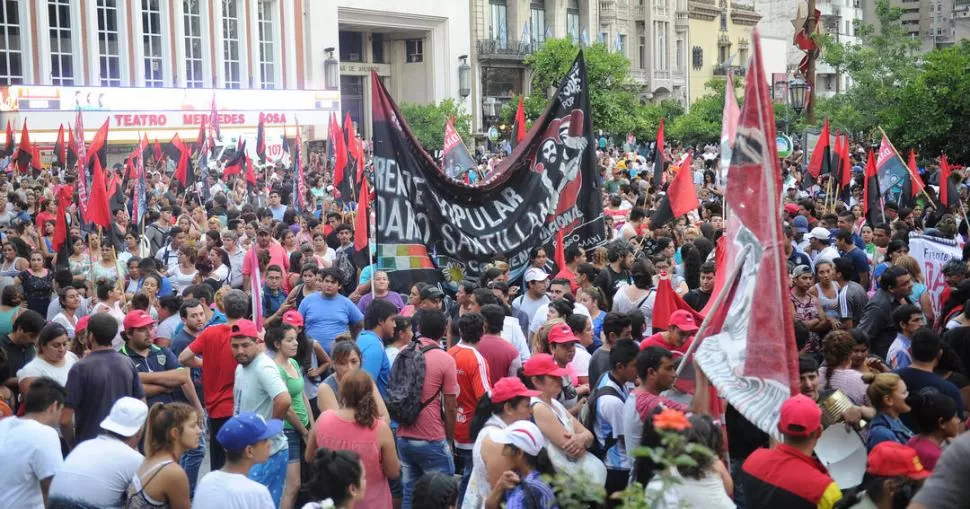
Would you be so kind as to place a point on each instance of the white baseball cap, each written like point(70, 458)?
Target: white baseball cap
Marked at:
point(523, 434)
point(819, 233)
point(126, 417)
point(535, 274)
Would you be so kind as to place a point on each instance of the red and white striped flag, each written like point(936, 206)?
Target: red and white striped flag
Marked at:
point(82, 164)
point(256, 287)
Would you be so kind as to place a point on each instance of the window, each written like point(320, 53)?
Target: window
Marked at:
point(230, 43)
point(501, 82)
point(572, 21)
point(351, 47)
point(662, 48)
point(109, 52)
point(415, 50)
point(267, 70)
point(537, 25)
point(697, 57)
point(679, 61)
point(643, 52)
point(11, 54)
point(621, 44)
point(62, 54)
point(723, 21)
point(192, 21)
point(151, 34)
point(498, 28)
point(377, 48)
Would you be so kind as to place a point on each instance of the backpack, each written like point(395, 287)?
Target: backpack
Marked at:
point(587, 415)
point(347, 271)
point(406, 384)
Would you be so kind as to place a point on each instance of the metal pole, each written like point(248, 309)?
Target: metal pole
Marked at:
point(810, 72)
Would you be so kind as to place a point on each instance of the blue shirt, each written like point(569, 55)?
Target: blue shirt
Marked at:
point(531, 487)
point(373, 359)
point(917, 380)
point(326, 317)
point(165, 290)
point(884, 428)
point(860, 262)
point(898, 355)
point(159, 359)
point(272, 301)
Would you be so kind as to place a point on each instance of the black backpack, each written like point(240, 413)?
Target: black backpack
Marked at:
point(587, 415)
point(406, 384)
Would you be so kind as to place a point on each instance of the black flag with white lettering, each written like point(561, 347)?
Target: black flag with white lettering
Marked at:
point(433, 228)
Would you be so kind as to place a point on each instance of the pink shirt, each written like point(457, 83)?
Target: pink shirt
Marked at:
point(277, 256)
point(439, 374)
point(928, 452)
point(338, 434)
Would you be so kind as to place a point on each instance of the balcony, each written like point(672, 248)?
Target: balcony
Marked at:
point(607, 12)
point(724, 40)
point(639, 13)
point(722, 70)
point(682, 21)
point(497, 49)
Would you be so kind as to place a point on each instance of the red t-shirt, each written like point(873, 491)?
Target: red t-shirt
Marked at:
point(218, 369)
point(658, 340)
point(567, 274)
point(277, 256)
point(473, 377)
point(439, 374)
point(499, 354)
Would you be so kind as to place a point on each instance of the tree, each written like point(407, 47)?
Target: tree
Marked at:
point(702, 124)
point(427, 122)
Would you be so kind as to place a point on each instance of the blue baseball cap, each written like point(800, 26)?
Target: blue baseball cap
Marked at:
point(247, 429)
point(800, 224)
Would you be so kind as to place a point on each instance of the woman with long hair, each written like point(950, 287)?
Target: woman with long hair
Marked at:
point(357, 427)
point(185, 274)
point(594, 301)
point(887, 392)
point(837, 373)
point(508, 402)
point(936, 417)
point(538, 258)
point(79, 262)
point(11, 305)
point(827, 292)
point(38, 283)
point(170, 430)
point(692, 265)
point(638, 296)
point(283, 340)
point(560, 427)
point(345, 356)
point(414, 298)
point(338, 480)
point(220, 274)
point(306, 285)
point(150, 286)
point(919, 295)
point(519, 486)
point(53, 358)
point(10, 265)
point(106, 267)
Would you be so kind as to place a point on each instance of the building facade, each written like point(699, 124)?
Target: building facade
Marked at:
point(937, 23)
point(720, 41)
point(153, 66)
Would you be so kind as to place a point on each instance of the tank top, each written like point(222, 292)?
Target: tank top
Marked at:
point(337, 434)
point(6, 320)
point(137, 498)
point(829, 305)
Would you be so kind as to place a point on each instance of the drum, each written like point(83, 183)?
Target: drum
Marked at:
point(843, 453)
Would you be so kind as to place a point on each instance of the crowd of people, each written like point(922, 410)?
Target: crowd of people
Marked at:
point(134, 373)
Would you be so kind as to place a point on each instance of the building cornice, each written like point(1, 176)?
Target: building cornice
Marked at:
point(744, 15)
point(703, 10)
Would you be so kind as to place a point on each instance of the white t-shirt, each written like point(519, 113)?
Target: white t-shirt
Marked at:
point(222, 490)
point(580, 362)
point(96, 473)
point(512, 332)
point(31, 452)
point(38, 367)
point(541, 315)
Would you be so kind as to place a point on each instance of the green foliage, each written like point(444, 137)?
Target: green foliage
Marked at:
point(703, 123)
point(427, 122)
point(920, 100)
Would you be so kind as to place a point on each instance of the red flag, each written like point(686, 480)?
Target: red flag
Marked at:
point(658, 158)
point(667, 301)
point(560, 253)
point(353, 147)
point(24, 150)
point(261, 137)
point(235, 163)
point(846, 164)
point(720, 274)
point(749, 354)
point(98, 211)
point(336, 140)
point(8, 146)
point(182, 165)
point(113, 182)
point(250, 174)
point(519, 129)
point(60, 149)
point(914, 177)
point(870, 173)
point(63, 194)
point(680, 199)
point(820, 154)
point(361, 240)
point(360, 161)
point(35, 161)
point(99, 144)
point(157, 152)
point(82, 159)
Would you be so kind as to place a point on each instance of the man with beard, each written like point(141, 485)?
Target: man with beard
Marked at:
point(617, 272)
point(259, 388)
point(698, 297)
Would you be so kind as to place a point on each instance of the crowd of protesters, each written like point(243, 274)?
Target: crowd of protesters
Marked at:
point(134, 374)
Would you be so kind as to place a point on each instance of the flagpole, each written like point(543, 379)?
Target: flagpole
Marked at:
point(906, 164)
point(718, 302)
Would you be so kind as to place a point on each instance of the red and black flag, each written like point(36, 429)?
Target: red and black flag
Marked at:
point(455, 160)
point(24, 151)
point(177, 152)
point(658, 158)
point(261, 138)
point(680, 198)
point(71, 148)
point(157, 152)
point(872, 206)
point(362, 227)
point(236, 161)
point(949, 182)
point(821, 157)
point(60, 148)
point(250, 173)
point(845, 170)
point(518, 129)
point(99, 144)
point(63, 194)
point(203, 133)
point(35, 160)
point(8, 146)
point(337, 149)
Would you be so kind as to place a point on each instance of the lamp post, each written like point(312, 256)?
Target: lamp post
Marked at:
point(464, 77)
point(331, 71)
point(810, 71)
point(799, 93)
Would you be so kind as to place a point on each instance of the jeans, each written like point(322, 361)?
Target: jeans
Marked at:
point(419, 457)
point(467, 464)
point(191, 461)
point(736, 477)
point(217, 455)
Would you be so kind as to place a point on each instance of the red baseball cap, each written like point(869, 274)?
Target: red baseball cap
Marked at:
point(244, 328)
point(561, 333)
point(791, 208)
point(892, 459)
point(543, 364)
point(293, 317)
point(82, 323)
point(510, 387)
point(684, 320)
point(137, 319)
point(800, 416)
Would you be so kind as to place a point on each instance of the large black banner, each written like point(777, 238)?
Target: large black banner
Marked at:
point(432, 228)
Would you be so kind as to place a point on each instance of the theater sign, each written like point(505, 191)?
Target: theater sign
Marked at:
point(162, 112)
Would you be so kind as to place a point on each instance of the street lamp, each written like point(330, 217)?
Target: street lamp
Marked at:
point(331, 71)
point(798, 94)
point(464, 77)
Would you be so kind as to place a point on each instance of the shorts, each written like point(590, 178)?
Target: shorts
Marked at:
point(294, 444)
